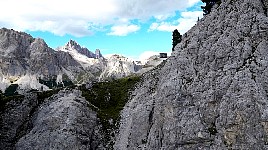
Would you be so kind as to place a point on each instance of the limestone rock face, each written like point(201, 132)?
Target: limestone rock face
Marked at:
point(212, 92)
point(82, 50)
point(22, 54)
point(119, 66)
point(15, 120)
point(63, 121)
point(46, 61)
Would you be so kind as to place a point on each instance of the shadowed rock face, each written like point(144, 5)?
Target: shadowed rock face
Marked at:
point(212, 92)
point(21, 54)
point(15, 120)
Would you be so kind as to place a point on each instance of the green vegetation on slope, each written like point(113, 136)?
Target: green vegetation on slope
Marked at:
point(5, 99)
point(52, 82)
point(11, 90)
point(109, 98)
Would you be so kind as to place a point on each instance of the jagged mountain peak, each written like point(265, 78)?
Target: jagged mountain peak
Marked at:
point(73, 47)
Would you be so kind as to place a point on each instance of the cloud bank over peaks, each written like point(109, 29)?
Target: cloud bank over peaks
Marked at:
point(81, 18)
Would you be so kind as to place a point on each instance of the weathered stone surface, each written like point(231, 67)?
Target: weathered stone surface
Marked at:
point(22, 54)
point(212, 92)
point(63, 121)
point(15, 120)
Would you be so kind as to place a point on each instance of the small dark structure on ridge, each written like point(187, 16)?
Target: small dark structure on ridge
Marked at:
point(163, 55)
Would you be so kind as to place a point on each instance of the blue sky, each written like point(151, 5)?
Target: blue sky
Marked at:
point(133, 28)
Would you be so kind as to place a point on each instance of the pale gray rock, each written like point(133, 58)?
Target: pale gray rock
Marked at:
point(21, 55)
point(82, 50)
point(118, 67)
point(212, 92)
point(63, 121)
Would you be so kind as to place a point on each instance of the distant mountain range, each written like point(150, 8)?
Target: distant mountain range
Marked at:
point(31, 64)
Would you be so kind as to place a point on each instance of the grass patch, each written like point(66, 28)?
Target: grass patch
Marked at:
point(11, 90)
point(109, 98)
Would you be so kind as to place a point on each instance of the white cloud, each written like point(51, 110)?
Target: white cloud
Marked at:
point(123, 30)
point(82, 17)
point(183, 24)
point(148, 8)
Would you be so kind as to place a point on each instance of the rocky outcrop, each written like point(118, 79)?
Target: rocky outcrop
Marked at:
point(212, 92)
point(45, 61)
point(150, 63)
point(62, 121)
point(15, 119)
point(119, 66)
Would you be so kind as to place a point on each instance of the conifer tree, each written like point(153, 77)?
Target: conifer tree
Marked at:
point(176, 38)
point(209, 5)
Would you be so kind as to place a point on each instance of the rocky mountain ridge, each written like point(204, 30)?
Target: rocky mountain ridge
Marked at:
point(31, 64)
point(212, 92)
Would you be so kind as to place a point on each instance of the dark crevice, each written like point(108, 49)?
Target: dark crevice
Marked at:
point(151, 114)
point(265, 8)
point(161, 137)
point(248, 60)
point(212, 129)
